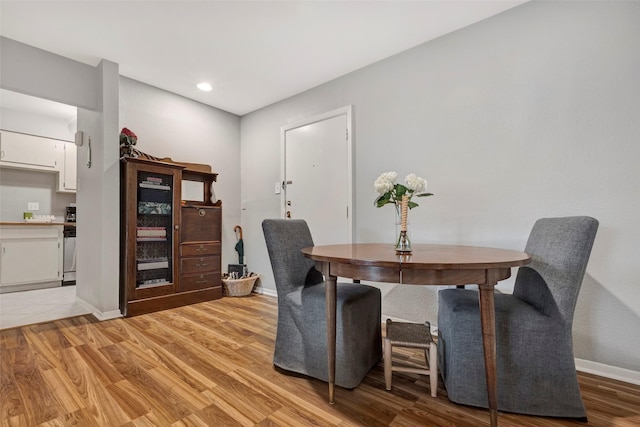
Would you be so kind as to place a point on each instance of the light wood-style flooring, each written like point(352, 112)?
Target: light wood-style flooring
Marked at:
point(210, 364)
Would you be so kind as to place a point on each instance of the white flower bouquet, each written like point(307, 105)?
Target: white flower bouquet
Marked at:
point(391, 192)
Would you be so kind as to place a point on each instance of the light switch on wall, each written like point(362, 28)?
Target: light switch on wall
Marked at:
point(33, 206)
point(278, 188)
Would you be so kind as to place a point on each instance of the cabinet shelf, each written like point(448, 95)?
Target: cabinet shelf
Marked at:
point(154, 208)
point(156, 265)
point(152, 285)
point(155, 187)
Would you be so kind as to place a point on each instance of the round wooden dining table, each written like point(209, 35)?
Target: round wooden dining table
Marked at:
point(426, 264)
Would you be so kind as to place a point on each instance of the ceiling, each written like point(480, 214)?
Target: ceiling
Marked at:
point(253, 53)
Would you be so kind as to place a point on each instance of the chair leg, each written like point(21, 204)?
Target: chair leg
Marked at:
point(387, 363)
point(433, 368)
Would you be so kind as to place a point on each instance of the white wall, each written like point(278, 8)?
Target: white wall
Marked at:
point(532, 113)
point(19, 187)
point(32, 71)
point(98, 198)
point(169, 125)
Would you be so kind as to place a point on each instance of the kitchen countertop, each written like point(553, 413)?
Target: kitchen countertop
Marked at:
point(33, 223)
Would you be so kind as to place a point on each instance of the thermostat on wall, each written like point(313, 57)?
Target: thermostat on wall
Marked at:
point(79, 138)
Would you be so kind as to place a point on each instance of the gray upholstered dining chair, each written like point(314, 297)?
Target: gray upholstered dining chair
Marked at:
point(301, 339)
point(536, 368)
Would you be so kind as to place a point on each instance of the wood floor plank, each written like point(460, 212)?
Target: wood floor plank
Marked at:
point(10, 400)
point(210, 364)
point(183, 370)
point(228, 356)
point(81, 417)
point(166, 402)
point(46, 357)
point(229, 410)
point(36, 398)
point(245, 401)
point(91, 385)
point(149, 419)
point(211, 415)
point(132, 402)
point(82, 332)
point(143, 337)
point(291, 400)
point(12, 338)
point(63, 390)
point(15, 421)
point(289, 416)
point(183, 391)
point(52, 334)
point(106, 372)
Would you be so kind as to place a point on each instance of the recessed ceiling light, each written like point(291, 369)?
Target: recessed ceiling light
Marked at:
point(204, 86)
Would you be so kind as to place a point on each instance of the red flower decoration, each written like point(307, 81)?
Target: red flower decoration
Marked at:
point(127, 137)
point(128, 133)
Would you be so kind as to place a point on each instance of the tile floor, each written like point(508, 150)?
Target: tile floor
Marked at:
point(42, 305)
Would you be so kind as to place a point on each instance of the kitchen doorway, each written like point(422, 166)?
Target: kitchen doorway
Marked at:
point(36, 116)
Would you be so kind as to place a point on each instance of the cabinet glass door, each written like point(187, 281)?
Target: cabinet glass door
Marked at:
point(154, 229)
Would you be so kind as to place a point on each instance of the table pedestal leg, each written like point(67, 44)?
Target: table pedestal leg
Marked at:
point(330, 295)
point(488, 321)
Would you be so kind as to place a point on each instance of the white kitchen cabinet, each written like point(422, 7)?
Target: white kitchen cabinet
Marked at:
point(67, 162)
point(19, 150)
point(30, 254)
point(29, 152)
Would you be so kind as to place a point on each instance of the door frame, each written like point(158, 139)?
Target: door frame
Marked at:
point(346, 111)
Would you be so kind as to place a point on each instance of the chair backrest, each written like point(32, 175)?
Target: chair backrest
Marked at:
point(559, 250)
point(291, 269)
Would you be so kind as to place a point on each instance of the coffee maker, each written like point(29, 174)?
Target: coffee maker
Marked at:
point(71, 213)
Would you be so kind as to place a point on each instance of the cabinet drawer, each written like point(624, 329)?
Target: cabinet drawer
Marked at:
point(200, 281)
point(198, 249)
point(31, 231)
point(200, 223)
point(200, 264)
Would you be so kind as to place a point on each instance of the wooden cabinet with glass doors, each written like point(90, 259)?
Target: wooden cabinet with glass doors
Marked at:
point(150, 239)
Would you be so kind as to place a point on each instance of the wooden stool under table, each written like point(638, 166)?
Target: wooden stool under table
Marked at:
point(411, 335)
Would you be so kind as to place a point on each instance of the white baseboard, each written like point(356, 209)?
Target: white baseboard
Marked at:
point(608, 371)
point(29, 286)
point(107, 315)
point(263, 291)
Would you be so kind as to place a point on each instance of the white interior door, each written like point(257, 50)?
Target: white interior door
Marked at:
point(317, 175)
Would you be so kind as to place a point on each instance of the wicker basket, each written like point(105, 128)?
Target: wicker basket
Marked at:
point(239, 287)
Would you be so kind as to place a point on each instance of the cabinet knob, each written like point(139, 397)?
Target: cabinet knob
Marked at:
point(202, 212)
point(177, 227)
